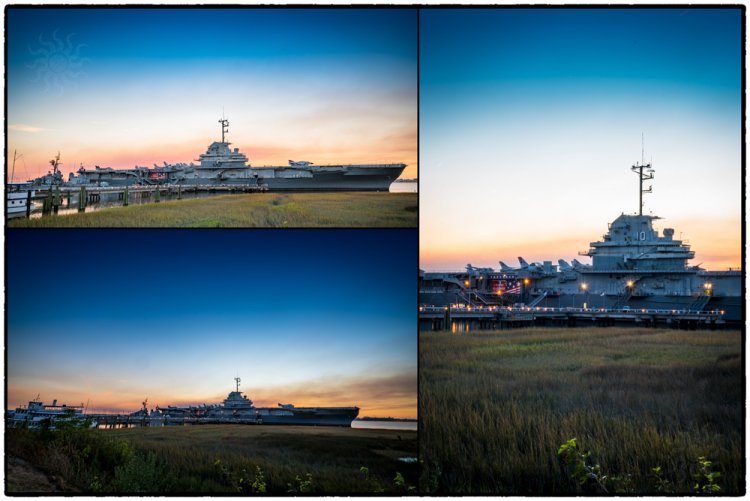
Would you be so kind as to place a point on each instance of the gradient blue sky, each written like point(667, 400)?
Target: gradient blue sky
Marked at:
point(127, 86)
point(531, 118)
point(307, 317)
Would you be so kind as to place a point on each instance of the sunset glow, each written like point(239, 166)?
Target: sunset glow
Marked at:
point(126, 87)
point(318, 318)
point(531, 119)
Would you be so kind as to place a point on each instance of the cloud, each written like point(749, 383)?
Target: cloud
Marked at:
point(25, 128)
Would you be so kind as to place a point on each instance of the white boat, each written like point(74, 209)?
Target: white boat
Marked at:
point(17, 194)
point(17, 199)
point(36, 413)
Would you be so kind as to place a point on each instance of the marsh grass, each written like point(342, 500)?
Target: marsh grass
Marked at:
point(222, 458)
point(266, 210)
point(496, 406)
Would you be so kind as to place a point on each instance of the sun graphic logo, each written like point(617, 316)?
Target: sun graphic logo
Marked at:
point(58, 62)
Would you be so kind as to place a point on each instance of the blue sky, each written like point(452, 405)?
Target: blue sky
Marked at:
point(531, 118)
point(124, 86)
point(177, 314)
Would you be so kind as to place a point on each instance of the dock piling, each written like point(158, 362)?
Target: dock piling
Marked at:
point(82, 199)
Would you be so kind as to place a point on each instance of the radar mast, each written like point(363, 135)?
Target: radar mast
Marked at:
point(237, 380)
point(639, 168)
point(224, 127)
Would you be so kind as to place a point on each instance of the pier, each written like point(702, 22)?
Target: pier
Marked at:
point(115, 421)
point(52, 198)
point(467, 318)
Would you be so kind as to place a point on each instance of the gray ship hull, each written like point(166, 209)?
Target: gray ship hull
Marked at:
point(332, 178)
point(311, 417)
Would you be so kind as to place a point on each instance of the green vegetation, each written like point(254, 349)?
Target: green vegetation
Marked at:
point(217, 459)
point(495, 407)
point(590, 478)
point(266, 210)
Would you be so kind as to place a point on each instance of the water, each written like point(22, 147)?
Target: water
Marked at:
point(385, 425)
point(407, 187)
point(364, 425)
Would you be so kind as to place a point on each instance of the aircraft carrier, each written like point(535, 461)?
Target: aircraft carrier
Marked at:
point(237, 408)
point(633, 267)
point(222, 165)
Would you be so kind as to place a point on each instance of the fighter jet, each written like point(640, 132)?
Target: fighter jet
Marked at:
point(470, 269)
point(525, 266)
point(564, 266)
point(578, 265)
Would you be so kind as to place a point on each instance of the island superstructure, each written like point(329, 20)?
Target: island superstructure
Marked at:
point(632, 266)
point(223, 165)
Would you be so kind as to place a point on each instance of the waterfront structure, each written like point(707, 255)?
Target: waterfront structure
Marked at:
point(632, 266)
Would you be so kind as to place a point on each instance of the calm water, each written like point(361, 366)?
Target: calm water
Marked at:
point(385, 425)
point(112, 200)
point(409, 187)
point(366, 425)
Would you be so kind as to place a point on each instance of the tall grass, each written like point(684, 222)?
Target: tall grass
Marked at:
point(495, 407)
point(267, 210)
point(222, 459)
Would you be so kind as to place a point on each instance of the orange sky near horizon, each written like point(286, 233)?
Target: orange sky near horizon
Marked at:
point(396, 147)
point(388, 396)
point(717, 246)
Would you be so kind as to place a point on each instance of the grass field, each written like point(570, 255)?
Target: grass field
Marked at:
point(266, 210)
point(219, 459)
point(496, 406)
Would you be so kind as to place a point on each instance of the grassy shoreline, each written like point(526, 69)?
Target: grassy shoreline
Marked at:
point(217, 459)
point(635, 398)
point(265, 210)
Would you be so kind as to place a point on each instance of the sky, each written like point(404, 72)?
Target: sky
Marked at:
point(120, 87)
point(530, 120)
point(308, 317)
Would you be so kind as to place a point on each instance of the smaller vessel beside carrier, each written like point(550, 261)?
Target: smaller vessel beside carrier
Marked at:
point(37, 413)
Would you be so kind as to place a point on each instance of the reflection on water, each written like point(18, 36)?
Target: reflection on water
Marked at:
point(385, 425)
point(406, 187)
point(366, 425)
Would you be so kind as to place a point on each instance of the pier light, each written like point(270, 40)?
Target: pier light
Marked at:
point(526, 281)
point(708, 285)
point(466, 283)
point(584, 286)
point(630, 283)
point(722, 312)
point(499, 292)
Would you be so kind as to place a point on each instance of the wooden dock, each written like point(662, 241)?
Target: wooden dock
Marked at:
point(55, 197)
point(114, 421)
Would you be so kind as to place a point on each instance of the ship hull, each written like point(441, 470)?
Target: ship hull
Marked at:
point(301, 416)
point(346, 178)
